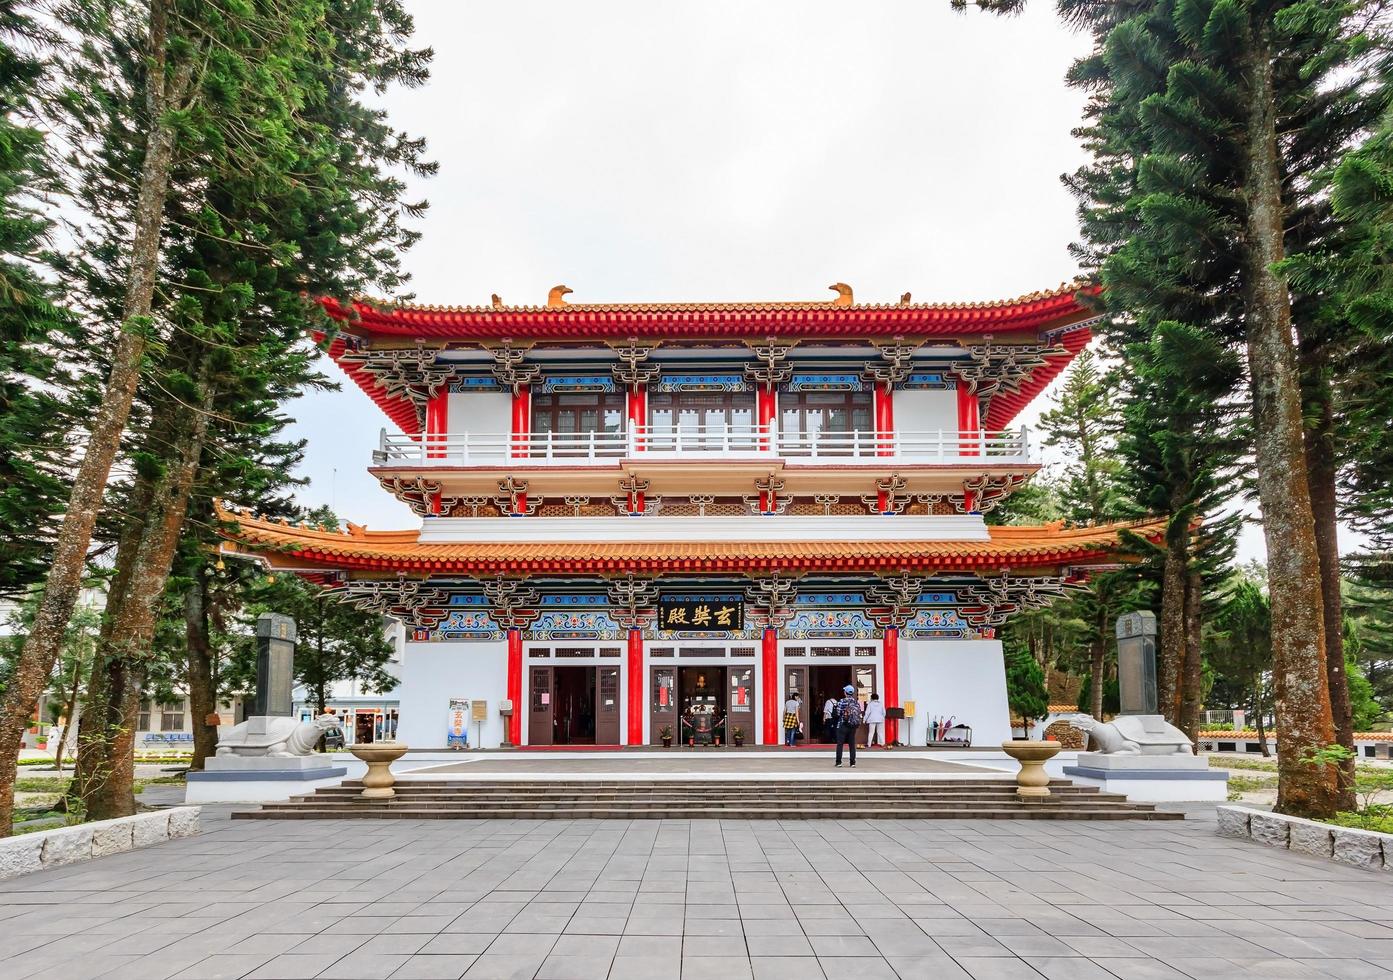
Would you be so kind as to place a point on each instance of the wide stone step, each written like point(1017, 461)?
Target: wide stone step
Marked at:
point(1016, 812)
point(649, 802)
point(747, 798)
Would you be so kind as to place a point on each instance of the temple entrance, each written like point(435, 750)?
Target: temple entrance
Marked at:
point(702, 704)
point(819, 681)
point(573, 704)
point(701, 698)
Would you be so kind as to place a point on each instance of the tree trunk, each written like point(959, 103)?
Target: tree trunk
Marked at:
point(1192, 678)
point(1298, 637)
point(1321, 474)
point(1173, 633)
point(134, 626)
point(203, 695)
point(64, 584)
point(108, 789)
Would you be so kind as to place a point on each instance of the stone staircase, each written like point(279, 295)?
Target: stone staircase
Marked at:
point(698, 798)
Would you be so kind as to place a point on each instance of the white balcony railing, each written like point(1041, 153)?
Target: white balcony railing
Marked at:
point(701, 444)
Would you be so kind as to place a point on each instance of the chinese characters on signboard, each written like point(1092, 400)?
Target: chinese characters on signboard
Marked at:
point(711, 613)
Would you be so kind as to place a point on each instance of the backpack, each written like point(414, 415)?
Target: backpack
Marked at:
point(851, 714)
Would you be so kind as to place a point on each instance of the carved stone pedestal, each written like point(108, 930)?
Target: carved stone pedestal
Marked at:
point(1032, 782)
point(379, 756)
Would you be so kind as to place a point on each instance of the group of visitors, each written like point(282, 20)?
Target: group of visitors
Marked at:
point(841, 718)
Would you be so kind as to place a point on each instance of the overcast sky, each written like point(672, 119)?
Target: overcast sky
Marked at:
point(723, 150)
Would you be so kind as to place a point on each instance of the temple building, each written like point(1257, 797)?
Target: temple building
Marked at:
point(650, 519)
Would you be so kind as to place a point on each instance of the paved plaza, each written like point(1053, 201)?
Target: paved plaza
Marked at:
point(659, 900)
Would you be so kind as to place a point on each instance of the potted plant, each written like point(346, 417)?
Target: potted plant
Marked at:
point(737, 735)
point(665, 733)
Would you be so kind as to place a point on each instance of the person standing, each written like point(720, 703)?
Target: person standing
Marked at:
point(848, 721)
point(791, 706)
point(829, 719)
point(875, 722)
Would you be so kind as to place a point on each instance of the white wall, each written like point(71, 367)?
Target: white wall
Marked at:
point(483, 413)
point(926, 411)
point(966, 678)
point(433, 673)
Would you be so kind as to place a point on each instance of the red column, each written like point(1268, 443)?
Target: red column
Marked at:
point(884, 401)
point(890, 650)
point(636, 687)
point(522, 419)
point(637, 404)
point(437, 424)
point(515, 685)
point(969, 419)
point(766, 407)
point(769, 686)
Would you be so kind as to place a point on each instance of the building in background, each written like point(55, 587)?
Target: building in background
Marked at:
point(665, 518)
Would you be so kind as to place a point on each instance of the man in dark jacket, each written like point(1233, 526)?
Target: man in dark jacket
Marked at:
point(848, 717)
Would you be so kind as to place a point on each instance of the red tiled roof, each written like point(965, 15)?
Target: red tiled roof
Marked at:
point(1008, 548)
point(1037, 312)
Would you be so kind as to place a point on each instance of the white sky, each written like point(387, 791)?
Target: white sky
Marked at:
point(723, 150)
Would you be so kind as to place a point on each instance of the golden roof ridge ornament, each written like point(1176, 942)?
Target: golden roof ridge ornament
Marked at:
point(556, 298)
point(844, 296)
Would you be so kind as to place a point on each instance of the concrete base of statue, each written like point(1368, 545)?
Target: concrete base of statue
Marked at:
point(1152, 778)
point(260, 779)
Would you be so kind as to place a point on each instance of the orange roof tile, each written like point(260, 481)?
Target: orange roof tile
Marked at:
point(1008, 548)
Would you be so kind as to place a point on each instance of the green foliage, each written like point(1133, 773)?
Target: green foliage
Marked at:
point(1112, 696)
point(336, 641)
point(35, 331)
point(1239, 639)
point(1025, 686)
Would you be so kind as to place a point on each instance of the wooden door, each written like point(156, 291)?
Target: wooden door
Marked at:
point(796, 680)
point(662, 702)
point(540, 699)
point(607, 706)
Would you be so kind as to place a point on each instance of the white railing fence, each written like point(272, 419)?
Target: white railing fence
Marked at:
point(735, 441)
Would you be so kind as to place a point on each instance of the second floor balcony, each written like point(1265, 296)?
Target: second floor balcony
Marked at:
point(705, 444)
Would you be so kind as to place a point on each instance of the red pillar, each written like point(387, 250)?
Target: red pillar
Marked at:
point(437, 426)
point(522, 419)
point(636, 687)
point(769, 686)
point(766, 407)
point(890, 650)
point(637, 404)
point(884, 402)
point(515, 685)
point(969, 420)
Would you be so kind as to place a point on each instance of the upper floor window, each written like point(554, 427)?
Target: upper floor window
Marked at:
point(570, 413)
point(809, 414)
point(701, 411)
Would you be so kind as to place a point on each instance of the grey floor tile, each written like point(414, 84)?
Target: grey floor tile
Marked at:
point(716, 968)
point(860, 967)
point(785, 968)
point(646, 968)
point(444, 966)
point(368, 966)
point(295, 966)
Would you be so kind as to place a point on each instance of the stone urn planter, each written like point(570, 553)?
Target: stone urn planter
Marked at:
point(1032, 782)
point(378, 780)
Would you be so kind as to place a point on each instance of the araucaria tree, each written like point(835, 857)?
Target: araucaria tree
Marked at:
point(273, 188)
point(1209, 120)
point(34, 331)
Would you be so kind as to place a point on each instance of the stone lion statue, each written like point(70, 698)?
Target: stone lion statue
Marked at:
point(1134, 735)
point(277, 738)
